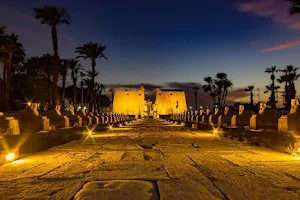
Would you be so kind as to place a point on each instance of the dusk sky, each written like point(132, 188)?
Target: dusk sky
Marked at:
point(163, 41)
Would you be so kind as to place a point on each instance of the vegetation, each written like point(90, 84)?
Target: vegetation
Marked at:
point(91, 51)
point(196, 88)
point(53, 16)
point(250, 89)
point(295, 6)
point(272, 101)
point(218, 88)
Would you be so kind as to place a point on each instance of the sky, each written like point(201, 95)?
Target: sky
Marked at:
point(169, 43)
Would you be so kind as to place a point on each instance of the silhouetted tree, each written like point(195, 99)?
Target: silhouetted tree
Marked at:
point(250, 90)
point(82, 74)
point(91, 51)
point(53, 16)
point(196, 88)
point(271, 88)
point(295, 6)
point(12, 54)
point(75, 67)
point(63, 70)
point(272, 71)
point(289, 77)
point(223, 84)
point(210, 87)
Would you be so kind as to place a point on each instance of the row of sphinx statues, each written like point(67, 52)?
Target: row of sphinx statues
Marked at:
point(265, 119)
point(30, 121)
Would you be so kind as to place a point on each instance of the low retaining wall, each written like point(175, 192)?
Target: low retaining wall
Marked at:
point(36, 142)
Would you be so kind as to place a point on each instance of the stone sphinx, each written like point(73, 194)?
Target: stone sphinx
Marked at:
point(290, 122)
point(205, 117)
point(3, 124)
point(74, 119)
point(30, 121)
point(94, 118)
point(86, 120)
point(242, 119)
point(265, 119)
point(225, 118)
point(213, 118)
point(199, 116)
point(56, 118)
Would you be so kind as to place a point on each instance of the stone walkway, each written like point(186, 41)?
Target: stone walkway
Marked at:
point(152, 159)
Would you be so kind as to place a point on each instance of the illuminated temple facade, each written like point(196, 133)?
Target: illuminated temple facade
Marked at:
point(133, 102)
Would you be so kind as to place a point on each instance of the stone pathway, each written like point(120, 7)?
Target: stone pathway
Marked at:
point(152, 159)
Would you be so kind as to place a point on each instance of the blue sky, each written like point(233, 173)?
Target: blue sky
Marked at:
point(168, 41)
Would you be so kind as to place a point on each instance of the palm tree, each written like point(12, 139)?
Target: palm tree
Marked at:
point(272, 71)
point(2, 60)
point(64, 67)
point(111, 91)
point(53, 16)
point(289, 77)
point(295, 6)
point(210, 87)
point(271, 88)
point(13, 51)
point(82, 74)
point(227, 84)
point(250, 89)
point(220, 83)
point(102, 89)
point(75, 66)
point(196, 88)
point(91, 51)
point(88, 83)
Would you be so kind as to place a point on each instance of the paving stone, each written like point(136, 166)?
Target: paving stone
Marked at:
point(118, 190)
point(138, 170)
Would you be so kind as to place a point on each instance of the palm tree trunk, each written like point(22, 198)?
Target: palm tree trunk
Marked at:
point(74, 94)
point(225, 96)
point(81, 87)
point(63, 92)
point(3, 86)
point(49, 88)
point(7, 85)
point(251, 99)
point(196, 98)
point(92, 102)
point(56, 61)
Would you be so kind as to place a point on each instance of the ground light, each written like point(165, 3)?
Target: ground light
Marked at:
point(9, 155)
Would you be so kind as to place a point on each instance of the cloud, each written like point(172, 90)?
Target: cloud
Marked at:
point(134, 86)
point(289, 44)
point(277, 10)
point(235, 95)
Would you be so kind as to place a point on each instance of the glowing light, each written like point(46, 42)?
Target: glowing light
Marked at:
point(18, 161)
point(10, 157)
point(90, 132)
point(84, 108)
point(120, 125)
point(215, 131)
point(182, 124)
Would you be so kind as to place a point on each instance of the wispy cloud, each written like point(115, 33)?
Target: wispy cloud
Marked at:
point(274, 9)
point(285, 45)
